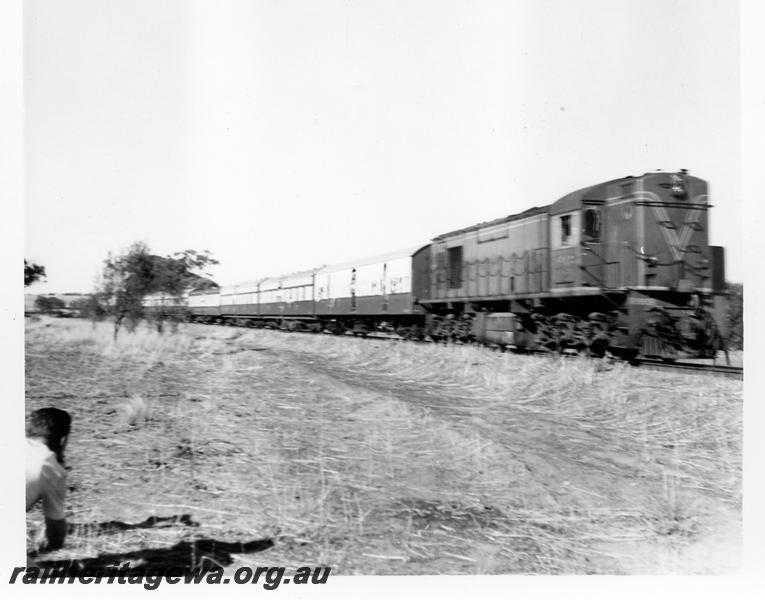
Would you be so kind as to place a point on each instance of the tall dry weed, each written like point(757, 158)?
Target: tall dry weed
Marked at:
point(386, 457)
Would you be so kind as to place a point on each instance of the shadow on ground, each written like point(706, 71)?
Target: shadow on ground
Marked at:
point(108, 527)
point(161, 561)
point(152, 561)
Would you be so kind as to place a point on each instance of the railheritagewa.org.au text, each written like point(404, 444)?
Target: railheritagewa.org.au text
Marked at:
point(150, 578)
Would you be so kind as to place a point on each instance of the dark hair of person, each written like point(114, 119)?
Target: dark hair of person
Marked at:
point(52, 425)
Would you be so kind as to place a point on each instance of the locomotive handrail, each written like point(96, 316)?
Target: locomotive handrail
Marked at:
point(602, 261)
point(600, 256)
point(696, 271)
point(600, 280)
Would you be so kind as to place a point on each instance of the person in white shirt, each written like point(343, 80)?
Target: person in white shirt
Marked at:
point(47, 434)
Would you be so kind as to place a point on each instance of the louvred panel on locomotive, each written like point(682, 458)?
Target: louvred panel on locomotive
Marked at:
point(673, 234)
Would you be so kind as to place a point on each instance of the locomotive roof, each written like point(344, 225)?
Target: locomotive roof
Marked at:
point(572, 200)
point(531, 212)
point(563, 204)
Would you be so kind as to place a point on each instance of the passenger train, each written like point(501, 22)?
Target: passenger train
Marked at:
point(622, 267)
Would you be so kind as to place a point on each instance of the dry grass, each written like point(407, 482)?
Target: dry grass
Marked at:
point(378, 457)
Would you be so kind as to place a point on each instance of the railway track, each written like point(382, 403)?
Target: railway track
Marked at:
point(725, 370)
point(658, 364)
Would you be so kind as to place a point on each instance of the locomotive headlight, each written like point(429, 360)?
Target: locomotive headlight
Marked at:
point(678, 183)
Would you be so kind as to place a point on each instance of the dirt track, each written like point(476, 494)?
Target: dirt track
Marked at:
point(571, 465)
point(324, 450)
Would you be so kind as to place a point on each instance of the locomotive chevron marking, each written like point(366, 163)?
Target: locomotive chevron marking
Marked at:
point(676, 244)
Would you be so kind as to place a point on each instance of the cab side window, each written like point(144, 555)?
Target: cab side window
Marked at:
point(565, 230)
point(592, 224)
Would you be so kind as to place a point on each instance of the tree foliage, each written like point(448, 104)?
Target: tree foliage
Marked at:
point(736, 316)
point(127, 279)
point(89, 308)
point(32, 273)
point(49, 304)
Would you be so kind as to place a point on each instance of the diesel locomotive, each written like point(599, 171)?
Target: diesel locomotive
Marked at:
point(622, 267)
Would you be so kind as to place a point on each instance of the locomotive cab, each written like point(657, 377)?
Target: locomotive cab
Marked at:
point(648, 233)
point(638, 248)
point(576, 254)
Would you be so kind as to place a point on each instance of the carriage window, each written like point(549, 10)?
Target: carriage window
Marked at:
point(592, 223)
point(454, 269)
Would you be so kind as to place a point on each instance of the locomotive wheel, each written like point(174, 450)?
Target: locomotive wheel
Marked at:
point(598, 348)
point(622, 353)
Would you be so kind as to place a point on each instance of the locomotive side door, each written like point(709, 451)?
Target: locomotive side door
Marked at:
point(593, 258)
point(618, 237)
point(565, 234)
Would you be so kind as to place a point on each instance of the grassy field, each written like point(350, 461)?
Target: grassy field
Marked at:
point(245, 448)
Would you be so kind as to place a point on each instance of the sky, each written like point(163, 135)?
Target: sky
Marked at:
point(283, 135)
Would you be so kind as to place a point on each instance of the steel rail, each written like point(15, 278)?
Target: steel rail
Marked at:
point(726, 370)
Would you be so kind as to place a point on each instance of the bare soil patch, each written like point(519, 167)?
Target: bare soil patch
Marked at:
point(245, 447)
